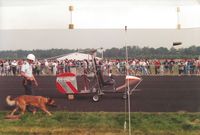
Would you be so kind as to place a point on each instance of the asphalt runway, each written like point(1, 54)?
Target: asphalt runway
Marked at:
point(154, 94)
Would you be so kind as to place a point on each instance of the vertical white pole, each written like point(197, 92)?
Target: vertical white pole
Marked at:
point(125, 101)
point(178, 18)
point(128, 87)
point(71, 9)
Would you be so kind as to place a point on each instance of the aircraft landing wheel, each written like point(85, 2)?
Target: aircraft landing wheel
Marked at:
point(95, 98)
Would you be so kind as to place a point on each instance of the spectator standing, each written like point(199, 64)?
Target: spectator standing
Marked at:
point(6, 67)
point(166, 66)
point(171, 64)
point(55, 66)
point(180, 67)
point(198, 66)
point(38, 68)
point(157, 67)
point(46, 67)
point(14, 67)
point(1, 67)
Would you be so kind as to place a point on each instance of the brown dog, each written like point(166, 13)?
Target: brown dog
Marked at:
point(24, 100)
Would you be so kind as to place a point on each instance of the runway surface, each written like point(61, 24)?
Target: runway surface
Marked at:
point(154, 94)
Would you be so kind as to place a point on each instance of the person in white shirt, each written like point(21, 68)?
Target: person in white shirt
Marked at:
point(14, 67)
point(55, 65)
point(27, 74)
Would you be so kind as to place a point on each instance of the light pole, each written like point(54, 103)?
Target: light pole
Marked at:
point(71, 9)
point(178, 18)
point(128, 87)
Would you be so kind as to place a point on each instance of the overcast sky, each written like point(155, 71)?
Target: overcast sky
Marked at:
point(41, 21)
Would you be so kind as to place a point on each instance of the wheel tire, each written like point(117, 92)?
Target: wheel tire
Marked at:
point(95, 98)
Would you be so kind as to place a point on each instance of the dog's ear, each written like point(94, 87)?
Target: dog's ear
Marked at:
point(51, 102)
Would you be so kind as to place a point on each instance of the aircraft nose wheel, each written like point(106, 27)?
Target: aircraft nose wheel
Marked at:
point(95, 98)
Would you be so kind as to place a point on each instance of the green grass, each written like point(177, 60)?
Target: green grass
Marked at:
point(101, 123)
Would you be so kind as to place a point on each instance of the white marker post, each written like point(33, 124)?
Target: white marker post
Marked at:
point(128, 86)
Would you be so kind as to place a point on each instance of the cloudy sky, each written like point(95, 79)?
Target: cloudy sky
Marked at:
point(36, 24)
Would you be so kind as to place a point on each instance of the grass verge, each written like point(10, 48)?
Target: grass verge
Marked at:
point(101, 123)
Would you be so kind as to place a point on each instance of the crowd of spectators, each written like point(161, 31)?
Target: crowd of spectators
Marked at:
point(136, 66)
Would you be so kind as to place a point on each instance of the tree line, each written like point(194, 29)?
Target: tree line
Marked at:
point(112, 53)
point(149, 52)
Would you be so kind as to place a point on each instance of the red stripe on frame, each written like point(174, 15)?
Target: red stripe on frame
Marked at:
point(72, 87)
point(60, 88)
point(67, 74)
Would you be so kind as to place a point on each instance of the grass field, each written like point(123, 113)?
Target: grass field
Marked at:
point(101, 123)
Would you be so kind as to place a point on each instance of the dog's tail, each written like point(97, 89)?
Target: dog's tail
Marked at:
point(9, 101)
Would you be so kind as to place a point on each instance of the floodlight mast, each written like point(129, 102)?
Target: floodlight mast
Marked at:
point(71, 9)
point(178, 26)
point(178, 18)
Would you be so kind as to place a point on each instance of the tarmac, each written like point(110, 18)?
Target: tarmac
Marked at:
point(154, 94)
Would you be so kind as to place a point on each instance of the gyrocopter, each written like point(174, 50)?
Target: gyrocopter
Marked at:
point(97, 85)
